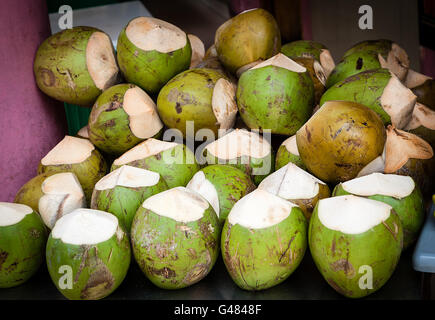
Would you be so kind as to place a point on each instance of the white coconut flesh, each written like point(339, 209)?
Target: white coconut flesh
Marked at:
point(291, 183)
point(205, 188)
point(179, 204)
point(260, 209)
point(390, 185)
point(100, 60)
point(13, 213)
point(237, 143)
point(415, 79)
point(224, 103)
point(282, 61)
point(327, 62)
point(86, 227)
point(148, 148)
point(421, 116)
point(128, 176)
point(320, 72)
point(247, 67)
point(70, 150)
point(83, 132)
point(149, 34)
point(291, 146)
point(198, 50)
point(142, 113)
point(351, 214)
point(376, 165)
point(397, 61)
point(62, 194)
point(398, 101)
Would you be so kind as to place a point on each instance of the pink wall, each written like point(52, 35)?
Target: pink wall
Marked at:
point(30, 122)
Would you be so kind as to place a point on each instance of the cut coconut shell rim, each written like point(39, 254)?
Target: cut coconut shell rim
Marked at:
point(205, 188)
point(415, 79)
point(198, 50)
point(327, 62)
point(422, 116)
point(291, 145)
point(129, 177)
point(397, 61)
point(282, 61)
point(224, 103)
point(70, 150)
point(12, 213)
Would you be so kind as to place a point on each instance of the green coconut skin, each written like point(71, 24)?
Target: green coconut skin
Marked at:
point(150, 70)
point(250, 36)
point(172, 254)
point(123, 202)
point(188, 97)
point(109, 125)
point(319, 87)
point(307, 205)
point(365, 88)
point(426, 93)
point(303, 49)
point(231, 185)
point(60, 59)
point(98, 269)
point(88, 172)
point(284, 107)
point(175, 174)
point(283, 157)
point(30, 193)
point(22, 249)
point(257, 259)
point(382, 46)
point(339, 256)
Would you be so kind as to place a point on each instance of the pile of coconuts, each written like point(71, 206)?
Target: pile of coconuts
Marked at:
point(300, 154)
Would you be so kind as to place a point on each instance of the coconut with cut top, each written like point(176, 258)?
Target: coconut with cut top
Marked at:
point(263, 240)
point(76, 65)
point(151, 51)
point(204, 97)
point(79, 156)
point(123, 116)
point(276, 94)
point(222, 186)
point(288, 152)
point(175, 238)
point(378, 89)
point(422, 86)
point(173, 161)
point(245, 150)
point(30, 193)
point(123, 190)
point(355, 243)
point(400, 192)
point(317, 75)
point(198, 50)
point(296, 185)
point(22, 243)
point(422, 123)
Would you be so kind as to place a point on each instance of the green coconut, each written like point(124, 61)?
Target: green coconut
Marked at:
point(355, 243)
point(250, 36)
point(222, 186)
point(175, 238)
point(123, 116)
point(123, 190)
point(174, 162)
point(245, 150)
point(198, 50)
point(379, 90)
point(30, 192)
point(288, 152)
point(317, 75)
point(296, 185)
point(76, 65)
point(22, 243)
point(78, 156)
point(88, 254)
point(151, 51)
point(423, 123)
point(339, 140)
point(400, 192)
point(203, 97)
point(277, 94)
point(263, 249)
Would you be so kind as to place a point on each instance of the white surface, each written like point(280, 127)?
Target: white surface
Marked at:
point(205, 188)
point(110, 18)
point(12, 213)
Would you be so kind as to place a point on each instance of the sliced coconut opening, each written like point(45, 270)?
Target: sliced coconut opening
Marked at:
point(62, 194)
point(326, 61)
point(291, 183)
point(291, 146)
point(70, 150)
point(260, 209)
point(282, 61)
point(142, 113)
point(402, 146)
point(247, 67)
point(397, 61)
point(180, 204)
point(149, 34)
point(128, 176)
point(421, 116)
point(12, 213)
point(148, 148)
point(100, 60)
point(205, 188)
point(239, 142)
point(320, 72)
point(224, 103)
point(351, 214)
point(198, 50)
point(85, 227)
point(376, 165)
point(415, 79)
point(398, 101)
point(391, 185)
point(83, 132)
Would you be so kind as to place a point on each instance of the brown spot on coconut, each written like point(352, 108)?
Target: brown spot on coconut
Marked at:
point(198, 50)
